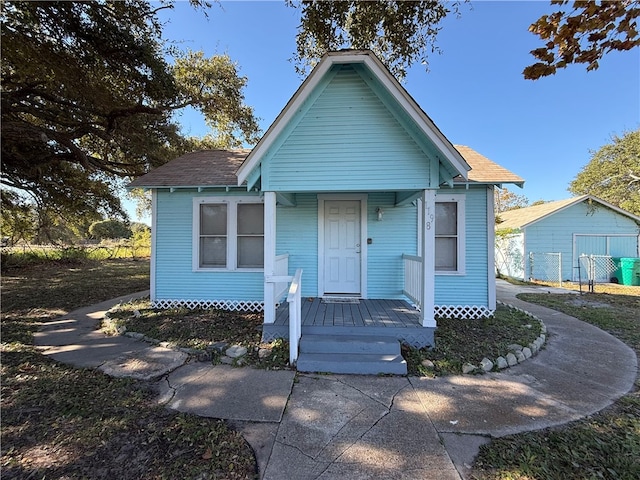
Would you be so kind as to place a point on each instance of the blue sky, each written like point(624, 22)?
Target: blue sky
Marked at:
point(474, 91)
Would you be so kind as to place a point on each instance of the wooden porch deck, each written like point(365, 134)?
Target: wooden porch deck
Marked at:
point(365, 313)
point(378, 317)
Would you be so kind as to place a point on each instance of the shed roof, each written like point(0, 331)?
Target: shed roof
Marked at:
point(523, 217)
point(205, 168)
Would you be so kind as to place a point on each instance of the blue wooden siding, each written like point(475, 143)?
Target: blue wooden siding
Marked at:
point(175, 279)
point(394, 235)
point(555, 234)
point(297, 235)
point(346, 139)
point(470, 288)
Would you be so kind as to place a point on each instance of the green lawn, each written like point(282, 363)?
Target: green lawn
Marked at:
point(63, 422)
point(606, 445)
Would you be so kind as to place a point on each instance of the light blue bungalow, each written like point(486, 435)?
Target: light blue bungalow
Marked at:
point(354, 202)
point(550, 241)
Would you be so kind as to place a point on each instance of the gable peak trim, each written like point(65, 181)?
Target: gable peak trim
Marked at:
point(396, 90)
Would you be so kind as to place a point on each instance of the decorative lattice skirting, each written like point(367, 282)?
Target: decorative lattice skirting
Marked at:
point(464, 312)
point(233, 305)
point(443, 311)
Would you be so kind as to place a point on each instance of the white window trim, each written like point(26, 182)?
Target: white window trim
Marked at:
point(460, 200)
point(232, 232)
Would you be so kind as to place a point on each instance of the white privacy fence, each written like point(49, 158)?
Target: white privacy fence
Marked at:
point(545, 266)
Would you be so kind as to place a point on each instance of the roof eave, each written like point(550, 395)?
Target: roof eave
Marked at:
point(180, 187)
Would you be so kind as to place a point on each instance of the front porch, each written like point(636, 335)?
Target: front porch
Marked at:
point(357, 317)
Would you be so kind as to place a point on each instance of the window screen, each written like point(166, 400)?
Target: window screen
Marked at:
point(446, 236)
point(213, 236)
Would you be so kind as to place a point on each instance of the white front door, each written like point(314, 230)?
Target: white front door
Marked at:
point(342, 237)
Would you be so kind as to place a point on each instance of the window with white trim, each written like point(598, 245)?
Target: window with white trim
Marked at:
point(228, 233)
point(449, 225)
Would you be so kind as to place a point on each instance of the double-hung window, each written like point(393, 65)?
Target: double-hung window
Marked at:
point(449, 225)
point(228, 233)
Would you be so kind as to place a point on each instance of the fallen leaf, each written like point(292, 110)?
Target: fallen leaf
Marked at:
point(207, 455)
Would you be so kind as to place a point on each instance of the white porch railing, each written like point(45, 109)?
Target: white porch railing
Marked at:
point(413, 279)
point(281, 270)
point(295, 315)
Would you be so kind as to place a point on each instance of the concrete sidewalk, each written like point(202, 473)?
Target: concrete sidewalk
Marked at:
point(74, 339)
point(357, 427)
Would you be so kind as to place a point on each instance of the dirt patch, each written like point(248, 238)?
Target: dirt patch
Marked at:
point(585, 302)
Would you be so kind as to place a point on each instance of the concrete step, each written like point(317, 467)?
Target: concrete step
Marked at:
point(352, 363)
point(349, 344)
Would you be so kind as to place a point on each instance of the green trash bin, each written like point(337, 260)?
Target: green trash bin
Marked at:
point(616, 275)
point(630, 268)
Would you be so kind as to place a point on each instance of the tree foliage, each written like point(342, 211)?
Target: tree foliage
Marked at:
point(504, 200)
point(110, 229)
point(399, 32)
point(26, 222)
point(613, 173)
point(88, 100)
point(583, 34)
point(17, 220)
point(402, 33)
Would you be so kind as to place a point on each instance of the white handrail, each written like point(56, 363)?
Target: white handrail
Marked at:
point(413, 279)
point(294, 298)
point(281, 268)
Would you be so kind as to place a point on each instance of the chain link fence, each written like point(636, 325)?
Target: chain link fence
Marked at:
point(546, 267)
point(594, 269)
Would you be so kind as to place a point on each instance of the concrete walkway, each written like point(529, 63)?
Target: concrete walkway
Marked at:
point(358, 427)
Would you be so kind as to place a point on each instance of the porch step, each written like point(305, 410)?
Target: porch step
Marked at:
point(354, 354)
point(349, 344)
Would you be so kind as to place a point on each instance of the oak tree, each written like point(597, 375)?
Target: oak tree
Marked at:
point(613, 173)
point(88, 100)
point(401, 33)
point(583, 34)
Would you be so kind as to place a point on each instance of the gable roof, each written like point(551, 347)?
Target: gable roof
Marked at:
point(486, 171)
point(205, 168)
point(523, 217)
point(217, 168)
point(393, 87)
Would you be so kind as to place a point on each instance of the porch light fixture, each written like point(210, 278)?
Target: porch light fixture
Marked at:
point(380, 213)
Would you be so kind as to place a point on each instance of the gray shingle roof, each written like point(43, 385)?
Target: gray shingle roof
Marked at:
point(205, 168)
point(208, 168)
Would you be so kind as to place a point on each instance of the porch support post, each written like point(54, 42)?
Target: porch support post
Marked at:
point(428, 257)
point(491, 249)
point(269, 256)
